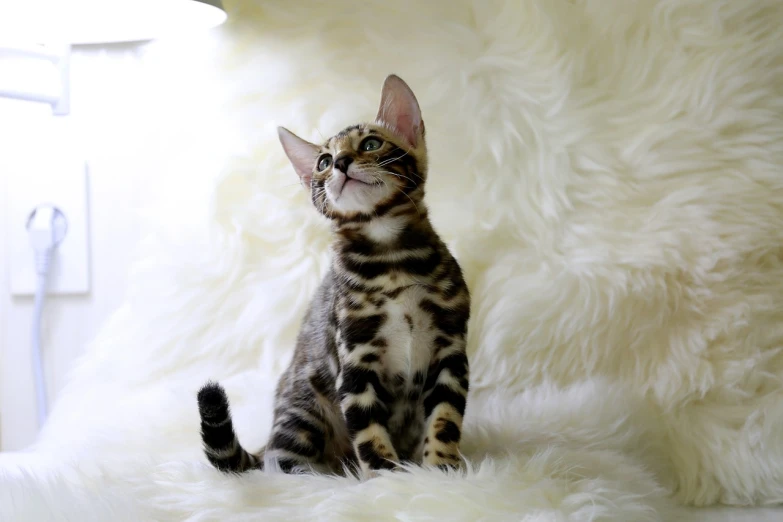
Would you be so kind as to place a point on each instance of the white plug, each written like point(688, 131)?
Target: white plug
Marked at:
point(47, 227)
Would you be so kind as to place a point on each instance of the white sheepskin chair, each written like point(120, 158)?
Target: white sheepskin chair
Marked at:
point(609, 174)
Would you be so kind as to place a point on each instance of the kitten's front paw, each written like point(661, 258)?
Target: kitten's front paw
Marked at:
point(444, 460)
point(375, 473)
point(451, 466)
point(371, 474)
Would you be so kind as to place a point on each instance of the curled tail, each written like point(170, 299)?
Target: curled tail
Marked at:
point(221, 444)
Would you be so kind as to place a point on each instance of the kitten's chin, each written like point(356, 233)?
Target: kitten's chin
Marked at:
point(358, 197)
point(354, 196)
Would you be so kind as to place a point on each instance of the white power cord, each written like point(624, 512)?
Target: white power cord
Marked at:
point(47, 227)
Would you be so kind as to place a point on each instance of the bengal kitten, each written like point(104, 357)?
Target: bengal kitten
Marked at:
point(380, 373)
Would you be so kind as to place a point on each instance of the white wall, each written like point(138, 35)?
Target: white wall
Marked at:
point(151, 122)
point(108, 124)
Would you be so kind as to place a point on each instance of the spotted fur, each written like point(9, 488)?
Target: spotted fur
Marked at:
point(380, 373)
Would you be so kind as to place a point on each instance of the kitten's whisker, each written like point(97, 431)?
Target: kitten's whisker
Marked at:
point(407, 196)
point(411, 200)
point(376, 171)
point(392, 160)
point(290, 185)
point(401, 176)
point(375, 211)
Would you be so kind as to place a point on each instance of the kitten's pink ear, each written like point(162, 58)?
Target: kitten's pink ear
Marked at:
point(400, 111)
point(302, 154)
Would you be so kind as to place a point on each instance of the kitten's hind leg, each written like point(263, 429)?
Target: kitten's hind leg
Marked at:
point(300, 434)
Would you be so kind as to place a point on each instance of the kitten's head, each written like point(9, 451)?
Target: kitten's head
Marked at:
point(367, 169)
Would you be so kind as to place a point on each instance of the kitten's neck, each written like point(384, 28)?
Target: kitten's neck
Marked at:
point(392, 231)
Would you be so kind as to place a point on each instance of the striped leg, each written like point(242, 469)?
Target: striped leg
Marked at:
point(445, 396)
point(365, 405)
point(299, 436)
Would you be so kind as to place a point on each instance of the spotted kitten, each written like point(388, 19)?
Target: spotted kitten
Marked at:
point(380, 374)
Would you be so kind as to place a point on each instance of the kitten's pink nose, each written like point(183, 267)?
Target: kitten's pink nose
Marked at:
point(342, 162)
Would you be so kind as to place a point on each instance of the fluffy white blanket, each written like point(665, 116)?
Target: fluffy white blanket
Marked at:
point(607, 172)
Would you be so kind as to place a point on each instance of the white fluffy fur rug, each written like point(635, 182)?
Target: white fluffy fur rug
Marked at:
point(610, 175)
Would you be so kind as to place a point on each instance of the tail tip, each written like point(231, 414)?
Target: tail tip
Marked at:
point(212, 401)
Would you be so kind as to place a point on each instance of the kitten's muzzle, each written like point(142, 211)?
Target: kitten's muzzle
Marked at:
point(355, 173)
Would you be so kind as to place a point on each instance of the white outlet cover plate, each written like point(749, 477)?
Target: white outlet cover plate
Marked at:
point(59, 180)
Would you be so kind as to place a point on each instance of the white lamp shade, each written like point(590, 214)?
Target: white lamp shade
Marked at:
point(104, 21)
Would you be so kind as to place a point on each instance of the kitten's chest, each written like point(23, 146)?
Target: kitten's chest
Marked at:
point(408, 338)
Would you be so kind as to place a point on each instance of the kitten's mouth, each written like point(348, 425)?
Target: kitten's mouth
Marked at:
point(356, 180)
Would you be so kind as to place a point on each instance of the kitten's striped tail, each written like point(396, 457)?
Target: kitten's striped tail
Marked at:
point(221, 444)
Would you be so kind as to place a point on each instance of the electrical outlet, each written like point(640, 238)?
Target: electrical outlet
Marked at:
point(60, 181)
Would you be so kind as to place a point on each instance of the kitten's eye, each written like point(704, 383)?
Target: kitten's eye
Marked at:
point(370, 144)
point(324, 163)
